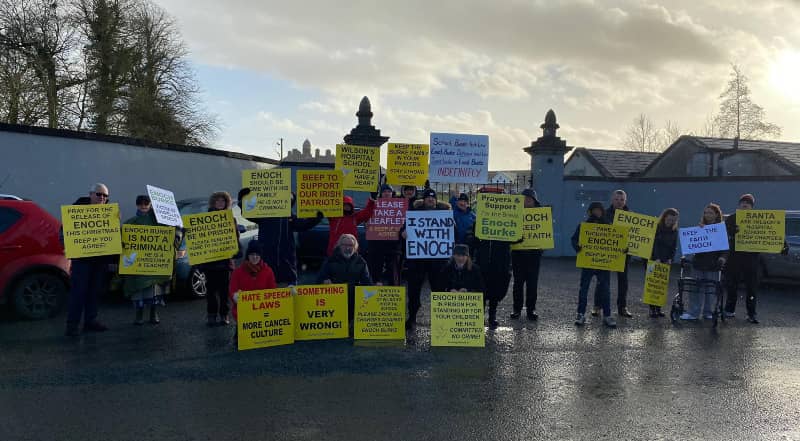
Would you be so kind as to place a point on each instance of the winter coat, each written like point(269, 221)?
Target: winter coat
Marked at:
point(133, 284)
point(348, 224)
point(591, 220)
point(465, 222)
point(454, 278)
point(339, 269)
point(222, 264)
point(242, 280)
point(276, 236)
point(742, 256)
point(664, 244)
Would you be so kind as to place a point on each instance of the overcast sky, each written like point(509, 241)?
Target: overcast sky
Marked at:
point(297, 70)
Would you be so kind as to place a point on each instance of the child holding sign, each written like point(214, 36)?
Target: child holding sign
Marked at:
point(664, 245)
point(252, 275)
point(602, 291)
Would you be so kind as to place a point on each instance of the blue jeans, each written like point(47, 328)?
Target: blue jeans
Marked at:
point(602, 290)
point(88, 281)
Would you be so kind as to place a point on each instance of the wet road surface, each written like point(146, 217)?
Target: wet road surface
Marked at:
point(646, 380)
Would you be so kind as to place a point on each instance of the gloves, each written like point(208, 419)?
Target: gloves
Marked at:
point(785, 250)
point(374, 195)
point(625, 251)
point(320, 215)
point(236, 297)
point(292, 289)
point(578, 248)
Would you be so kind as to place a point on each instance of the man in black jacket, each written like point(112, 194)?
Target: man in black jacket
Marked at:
point(619, 201)
point(346, 266)
point(525, 265)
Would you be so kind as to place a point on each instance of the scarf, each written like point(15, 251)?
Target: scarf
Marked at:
point(252, 269)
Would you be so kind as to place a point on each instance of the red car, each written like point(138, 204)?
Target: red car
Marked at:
point(34, 274)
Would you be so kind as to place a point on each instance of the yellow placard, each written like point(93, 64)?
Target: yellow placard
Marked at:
point(319, 190)
point(91, 230)
point(407, 164)
point(270, 193)
point(656, 284)
point(320, 312)
point(641, 232)
point(210, 236)
point(265, 318)
point(457, 319)
point(602, 247)
point(380, 313)
point(360, 166)
point(499, 217)
point(760, 231)
point(147, 250)
point(537, 230)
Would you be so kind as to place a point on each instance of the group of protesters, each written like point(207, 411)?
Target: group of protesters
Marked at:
point(476, 265)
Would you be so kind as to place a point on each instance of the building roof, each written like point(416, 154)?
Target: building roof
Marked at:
point(789, 151)
point(616, 163)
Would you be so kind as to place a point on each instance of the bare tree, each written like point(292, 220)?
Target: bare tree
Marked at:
point(642, 135)
point(738, 116)
point(669, 134)
point(39, 31)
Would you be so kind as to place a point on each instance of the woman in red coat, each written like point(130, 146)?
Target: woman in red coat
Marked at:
point(253, 274)
point(348, 223)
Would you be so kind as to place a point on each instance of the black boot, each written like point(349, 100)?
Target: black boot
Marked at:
point(154, 315)
point(493, 323)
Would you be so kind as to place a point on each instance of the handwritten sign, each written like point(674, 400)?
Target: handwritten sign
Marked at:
point(712, 237)
point(537, 230)
point(387, 219)
point(457, 319)
point(147, 250)
point(380, 313)
point(407, 164)
point(210, 236)
point(265, 318)
point(164, 206)
point(760, 231)
point(641, 232)
point(270, 193)
point(656, 284)
point(602, 247)
point(91, 230)
point(319, 190)
point(430, 234)
point(321, 312)
point(499, 217)
point(459, 158)
point(360, 166)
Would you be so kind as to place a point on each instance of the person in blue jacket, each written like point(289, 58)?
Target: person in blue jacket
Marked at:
point(464, 217)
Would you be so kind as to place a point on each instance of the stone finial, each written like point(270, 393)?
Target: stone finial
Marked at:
point(365, 133)
point(550, 125)
point(364, 113)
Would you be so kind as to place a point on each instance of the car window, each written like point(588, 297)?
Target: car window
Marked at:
point(792, 227)
point(193, 208)
point(237, 213)
point(8, 217)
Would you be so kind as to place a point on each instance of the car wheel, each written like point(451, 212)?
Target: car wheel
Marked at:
point(197, 283)
point(39, 295)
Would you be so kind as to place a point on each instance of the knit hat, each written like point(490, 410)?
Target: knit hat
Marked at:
point(408, 187)
point(348, 200)
point(429, 193)
point(530, 193)
point(253, 247)
point(142, 199)
point(747, 197)
point(461, 249)
point(463, 197)
point(386, 187)
point(596, 204)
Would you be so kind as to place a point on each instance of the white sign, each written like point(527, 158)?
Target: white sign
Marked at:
point(163, 203)
point(430, 234)
point(462, 159)
point(704, 239)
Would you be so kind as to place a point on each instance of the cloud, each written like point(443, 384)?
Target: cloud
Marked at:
point(281, 124)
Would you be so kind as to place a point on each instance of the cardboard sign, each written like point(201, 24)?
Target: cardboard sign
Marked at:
point(360, 166)
point(499, 217)
point(380, 313)
point(537, 230)
point(320, 312)
point(641, 232)
point(602, 247)
point(760, 231)
point(712, 237)
point(387, 219)
point(210, 236)
point(457, 319)
point(164, 206)
point(91, 230)
point(147, 250)
point(265, 318)
point(270, 193)
point(407, 164)
point(656, 284)
point(460, 159)
point(319, 190)
point(430, 234)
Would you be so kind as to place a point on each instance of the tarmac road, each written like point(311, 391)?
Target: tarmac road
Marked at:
point(646, 380)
